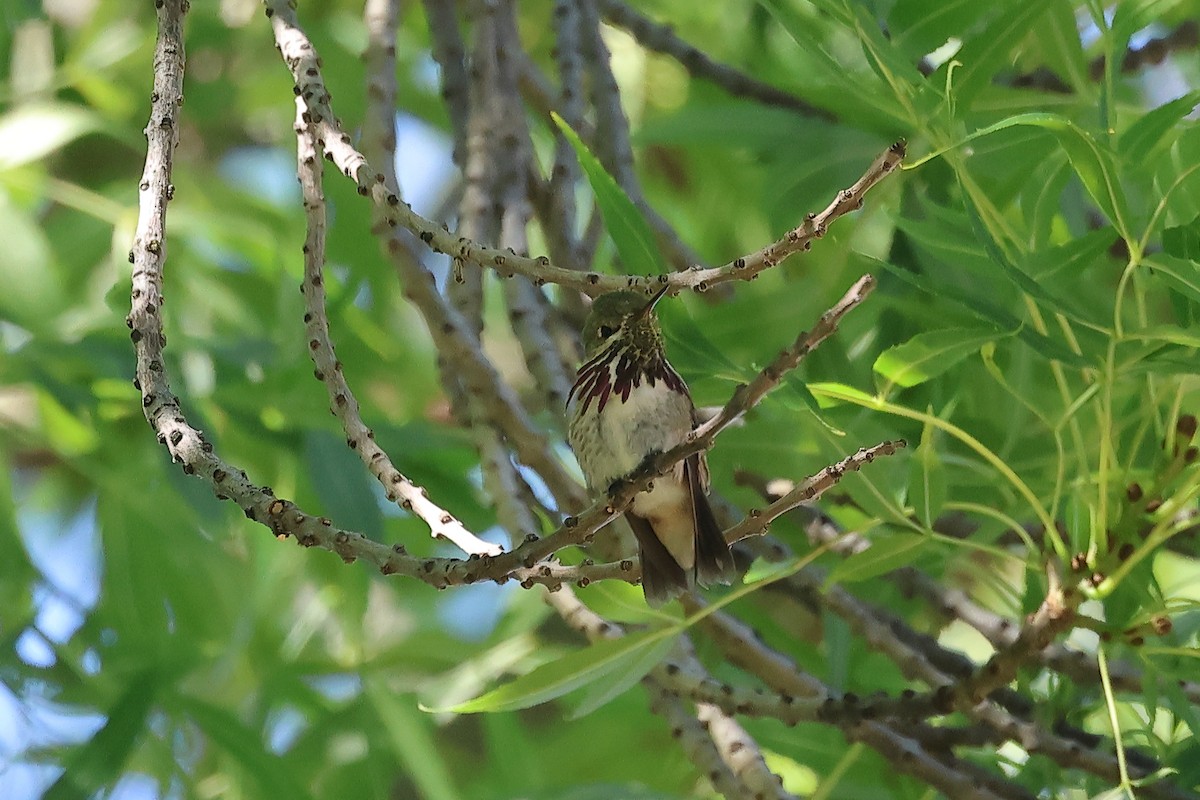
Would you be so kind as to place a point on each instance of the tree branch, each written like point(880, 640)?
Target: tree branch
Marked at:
point(663, 39)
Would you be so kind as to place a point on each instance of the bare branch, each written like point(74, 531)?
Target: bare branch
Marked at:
point(379, 122)
point(450, 331)
point(342, 402)
point(301, 59)
point(663, 39)
point(741, 754)
point(611, 140)
point(801, 695)
point(748, 395)
point(451, 57)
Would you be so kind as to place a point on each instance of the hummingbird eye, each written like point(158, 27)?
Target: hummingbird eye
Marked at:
point(606, 331)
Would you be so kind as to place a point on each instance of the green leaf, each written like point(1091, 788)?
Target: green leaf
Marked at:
point(342, 483)
point(630, 233)
point(928, 355)
point(883, 556)
point(32, 132)
point(690, 349)
point(927, 479)
point(100, 762)
point(1167, 333)
point(982, 56)
point(274, 775)
point(1183, 241)
point(1092, 163)
point(411, 741)
point(921, 27)
point(572, 671)
point(624, 603)
point(987, 311)
point(987, 235)
point(763, 570)
point(1181, 275)
point(1070, 258)
point(1144, 135)
point(614, 683)
point(792, 383)
point(33, 291)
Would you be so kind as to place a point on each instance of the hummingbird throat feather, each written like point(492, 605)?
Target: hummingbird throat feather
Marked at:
point(617, 369)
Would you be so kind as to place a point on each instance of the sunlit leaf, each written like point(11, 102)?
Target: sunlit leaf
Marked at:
point(31, 132)
point(614, 683)
point(928, 355)
point(573, 671)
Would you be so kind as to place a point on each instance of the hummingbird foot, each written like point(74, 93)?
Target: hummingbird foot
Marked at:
point(620, 483)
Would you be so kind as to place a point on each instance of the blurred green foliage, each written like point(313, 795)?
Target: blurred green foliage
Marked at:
point(1035, 331)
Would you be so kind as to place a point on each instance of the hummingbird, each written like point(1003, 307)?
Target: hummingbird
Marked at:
point(627, 405)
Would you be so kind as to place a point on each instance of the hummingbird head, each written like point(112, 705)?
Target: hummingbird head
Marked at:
point(624, 349)
point(626, 317)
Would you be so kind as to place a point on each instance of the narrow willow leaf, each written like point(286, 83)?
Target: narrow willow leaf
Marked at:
point(1093, 163)
point(97, 764)
point(845, 390)
point(275, 777)
point(573, 671)
point(1144, 135)
point(1071, 257)
point(987, 235)
point(919, 28)
point(1167, 333)
point(690, 349)
point(761, 570)
point(928, 355)
point(883, 556)
point(988, 312)
point(982, 56)
point(615, 683)
point(412, 741)
point(33, 131)
point(793, 384)
point(1183, 241)
point(1181, 275)
point(630, 233)
point(341, 483)
point(926, 479)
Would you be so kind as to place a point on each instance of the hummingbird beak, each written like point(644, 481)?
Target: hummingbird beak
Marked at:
point(645, 312)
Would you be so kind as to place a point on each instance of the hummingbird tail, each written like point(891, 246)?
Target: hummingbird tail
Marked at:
point(714, 561)
point(662, 577)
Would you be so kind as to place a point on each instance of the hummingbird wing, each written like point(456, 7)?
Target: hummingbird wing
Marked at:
point(662, 577)
point(714, 561)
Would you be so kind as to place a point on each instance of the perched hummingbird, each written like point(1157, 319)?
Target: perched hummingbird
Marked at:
point(628, 404)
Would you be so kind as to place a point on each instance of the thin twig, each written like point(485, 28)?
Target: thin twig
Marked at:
point(301, 59)
point(663, 39)
point(704, 746)
point(451, 333)
point(450, 55)
point(748, 395)
point(342, 402)
point(795, 687)
point(379, 58)
point(611, 141)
